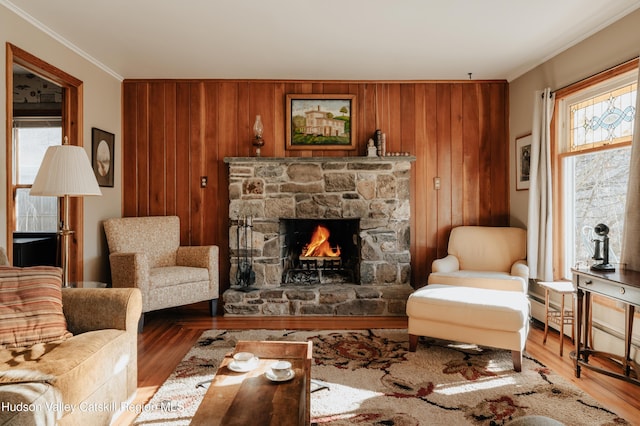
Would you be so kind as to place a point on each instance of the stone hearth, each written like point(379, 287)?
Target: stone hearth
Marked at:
point(373, 190)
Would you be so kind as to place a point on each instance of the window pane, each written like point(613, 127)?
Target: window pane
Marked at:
point(599, 181)
point(604, 119)
point(35, 214)
point(32, 143)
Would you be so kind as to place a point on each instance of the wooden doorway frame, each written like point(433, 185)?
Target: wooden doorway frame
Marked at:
point(71, 126)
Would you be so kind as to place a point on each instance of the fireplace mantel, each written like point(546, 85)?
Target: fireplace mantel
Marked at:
point(374, 190)
point(389, 158)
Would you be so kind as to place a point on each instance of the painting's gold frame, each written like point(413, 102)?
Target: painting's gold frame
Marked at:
point(320, 99)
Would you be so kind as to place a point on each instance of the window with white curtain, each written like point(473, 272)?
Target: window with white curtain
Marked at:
point(31, 138)
point(593, 145)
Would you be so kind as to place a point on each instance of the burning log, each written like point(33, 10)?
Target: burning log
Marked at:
point(319, 246)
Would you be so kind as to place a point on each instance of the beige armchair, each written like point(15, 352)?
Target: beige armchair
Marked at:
point(145, 252)
point(477, 293)
point(485, 257)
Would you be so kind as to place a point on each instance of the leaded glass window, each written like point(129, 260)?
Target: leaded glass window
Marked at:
point(603, 119)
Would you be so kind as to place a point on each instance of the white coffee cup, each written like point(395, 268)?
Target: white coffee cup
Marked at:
point(243, 359)
point(281, 369)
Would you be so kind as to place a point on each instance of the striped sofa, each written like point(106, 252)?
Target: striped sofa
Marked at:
point(68, 356)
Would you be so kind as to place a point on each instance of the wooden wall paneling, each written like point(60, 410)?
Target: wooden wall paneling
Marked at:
point(418, 199)
point(457, 157)
point(471, 141)
point(486, 187)
point(217, 114)
point(443, 126)
point(430, 163)
point(407, 121)
point(238, 146)
point(171, 143)
point(500, 154)
point(181, 158)
point(393, 127)
point(130, 158)
point(157, 149)
point(262, 102)
point(279, 111)
point(196, 162)
point(142, 148)
point(421, 251)
point(366, 108)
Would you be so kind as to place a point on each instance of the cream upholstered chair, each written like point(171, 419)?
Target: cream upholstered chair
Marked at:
point(145, 252)
point(477, 293)
point(484, 257)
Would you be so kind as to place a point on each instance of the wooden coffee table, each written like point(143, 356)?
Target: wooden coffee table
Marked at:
point(252, 399)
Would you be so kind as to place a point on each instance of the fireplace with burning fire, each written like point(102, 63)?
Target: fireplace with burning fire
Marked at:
point(319, 236)
point(320, 251)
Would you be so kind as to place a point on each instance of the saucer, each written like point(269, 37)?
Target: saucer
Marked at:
point(253, 363)
point(271, 376)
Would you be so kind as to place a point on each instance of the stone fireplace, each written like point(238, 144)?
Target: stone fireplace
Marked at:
point(363, 208)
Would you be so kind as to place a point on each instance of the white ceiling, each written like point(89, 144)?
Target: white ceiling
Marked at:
point(324, 40)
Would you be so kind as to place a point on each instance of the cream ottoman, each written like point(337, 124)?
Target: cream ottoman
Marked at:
point(487, 317)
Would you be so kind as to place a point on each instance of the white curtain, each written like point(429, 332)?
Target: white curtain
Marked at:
point(540, 226)
point(631, 238)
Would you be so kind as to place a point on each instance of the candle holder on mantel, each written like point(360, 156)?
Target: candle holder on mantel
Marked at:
point(258, 142)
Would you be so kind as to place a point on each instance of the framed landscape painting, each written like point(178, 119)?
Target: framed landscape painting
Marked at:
point(320, 122)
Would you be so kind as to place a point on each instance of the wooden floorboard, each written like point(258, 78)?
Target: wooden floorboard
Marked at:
point(169, 334)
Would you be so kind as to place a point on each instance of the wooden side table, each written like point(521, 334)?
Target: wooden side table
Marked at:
point(562, 316)
point(621, 286)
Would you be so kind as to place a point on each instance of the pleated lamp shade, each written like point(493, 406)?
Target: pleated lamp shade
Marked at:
point(65, 170)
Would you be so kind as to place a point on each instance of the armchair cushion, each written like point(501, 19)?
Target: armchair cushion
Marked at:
point(175, 275)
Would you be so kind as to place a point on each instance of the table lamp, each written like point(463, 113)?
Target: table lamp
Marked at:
point(65, 172)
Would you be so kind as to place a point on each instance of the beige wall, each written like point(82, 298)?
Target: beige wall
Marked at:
point(611, 46)
point(102, 109)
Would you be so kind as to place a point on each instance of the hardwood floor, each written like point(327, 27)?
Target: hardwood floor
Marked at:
point(169, 334)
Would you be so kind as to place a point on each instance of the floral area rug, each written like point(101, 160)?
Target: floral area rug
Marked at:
point(372, 379)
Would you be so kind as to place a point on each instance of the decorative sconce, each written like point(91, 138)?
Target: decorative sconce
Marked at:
point(257, 131)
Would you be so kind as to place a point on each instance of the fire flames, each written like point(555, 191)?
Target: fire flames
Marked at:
point(319, 244)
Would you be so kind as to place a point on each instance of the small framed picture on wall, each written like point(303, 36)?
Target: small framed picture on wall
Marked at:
point(102, 144)
point(523, 161)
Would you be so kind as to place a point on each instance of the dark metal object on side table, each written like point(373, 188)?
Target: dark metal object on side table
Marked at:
point(602, 230)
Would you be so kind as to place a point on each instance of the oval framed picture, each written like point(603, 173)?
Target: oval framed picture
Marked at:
point(102, 144)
